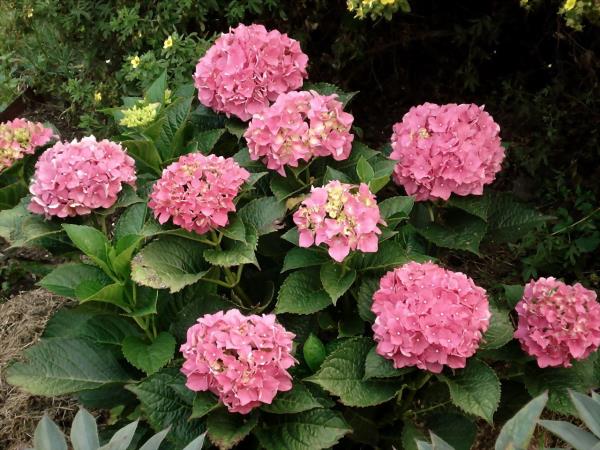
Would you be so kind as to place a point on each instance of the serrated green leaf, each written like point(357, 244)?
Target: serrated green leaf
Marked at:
point(226, 430)
point(84, 431)
point(500, 330)
point(169, 263)
point(298, 258)
point(315, 429)
point(390, 255)
point(302, 293)
point(364, 298)
point(145, 153)
point(314, 352)
point(509, 219)
point(171, 140)
point(156, 91)
point(163, 407)
point(460, 232)
point(235, 230)
point(475, 389)
point(204, 402)
point(477, 205)
point(197, 304)
point(91, 242)
point(455, 429)
point(47, 436)
point(58, 366)
point(205, 141)
point(284, 187)
point(65, 279)
point(264, 213)
point(399, 206)
point(513, 294)
point(343, 371)
point(149, 357)
point(11, 194)
point(235, 127)
point(518, 431)
point(20, 228)
point(333, 174)
point(335, 281)
point(328, 89)
point(364, 170)
point(235, 253)
point(296, 400)
point(131, 221)
point(378, 183)
point(376, 366)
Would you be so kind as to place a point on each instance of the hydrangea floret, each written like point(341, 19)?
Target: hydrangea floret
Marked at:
point(247, 69)
point(139, 115)
point(241, 359)
point(74, 178)
point(429, 317)
point(299, 126)
point(446, 149)
point(342, 216)
point(197, 192)
point(558, 323)
point(20, 137)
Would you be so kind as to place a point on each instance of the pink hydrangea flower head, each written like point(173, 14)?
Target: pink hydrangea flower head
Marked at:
point(196, 192)
point(429, 317)
point(246, 69)
point(74, 178)
point(298, 126)
point(241, 359)
point(446, 149)
point(558, 322)
point(20, 137)
point(342, 216)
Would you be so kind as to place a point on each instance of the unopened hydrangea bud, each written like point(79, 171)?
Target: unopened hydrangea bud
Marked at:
point(247, 69)
point(139, 116)
point(77, 177)
point(342, 216)
point(241, 359)
point(444, 150)
point(196, 192)
point(429, 317)
point(558, 323)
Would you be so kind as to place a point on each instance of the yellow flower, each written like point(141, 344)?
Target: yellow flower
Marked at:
point(98, 97)
point(135, 62)
point(168, 42)
point(30, 13)
point(570, 4)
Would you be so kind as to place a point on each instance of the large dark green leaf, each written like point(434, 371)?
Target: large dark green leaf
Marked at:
point(302, 293)
point(509, 220)
point(264, 213)
point(226, 430)
point(149, 357)
point(459, 232)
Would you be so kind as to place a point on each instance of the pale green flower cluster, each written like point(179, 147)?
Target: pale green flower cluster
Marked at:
point(376, 8)
point(139, 116)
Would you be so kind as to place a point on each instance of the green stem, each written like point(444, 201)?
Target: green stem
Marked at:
point(576, 223)
point(431, 212)
point(432, 408)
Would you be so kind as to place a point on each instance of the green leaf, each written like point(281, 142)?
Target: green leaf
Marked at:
point(146, 153)
point(437, 443)
point(378, 183)
point(156, 91)
point(475, 389)
point(315, 429)
point(476, 205)
point(11, 194)
point(460, 232)
point(163, 406)
point(235, 253)
point(518, 431)
point(236, 127)
point(235, 229)
point(314, 352)
point(376, 366)
point(227, 430)
point(296, 400)
point(335, 281)
point(298, 258)
point(58, 366)
point(48, 436)
point(588, 410)
point(131, 221)
point(265, 214)
point(127, 197)
point(155, 441)
point(455, 429)
point(169, 262)
point(390, 255)
point(364, 298)
point(510, 220)
point(410, 435)
point(170, 142)
point(500, 331)
point(205, 141)
point(122, 438)
point(302, 293)
point(558, 381)
point(197, 304)
point(333, 174)
point(513, 294)
point(204, 402)
point(343, 371)
point(328, 89)
point(84, 431)
point(149, 358)
point(284, 187)
point(197, 443)
point(573, 435)
point(364, 170)
point(91, 242)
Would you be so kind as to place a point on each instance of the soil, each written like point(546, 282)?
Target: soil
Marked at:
point(22, 320)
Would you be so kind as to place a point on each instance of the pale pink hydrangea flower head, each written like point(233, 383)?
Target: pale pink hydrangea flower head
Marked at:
point(429, 317)
point(342, 216)
point(241, 359)
point(298, 127)
point(246, 69)
point(20, 137)
point(74, 178)
point(558, 323)
point(446, 149)
point(197, 192)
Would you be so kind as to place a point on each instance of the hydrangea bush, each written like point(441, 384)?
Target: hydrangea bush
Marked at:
point(269, 283)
